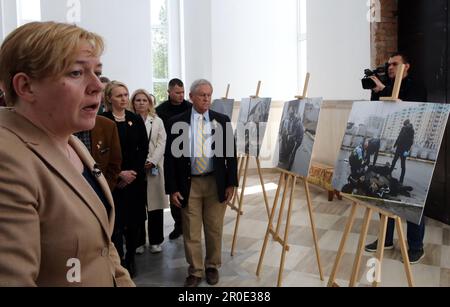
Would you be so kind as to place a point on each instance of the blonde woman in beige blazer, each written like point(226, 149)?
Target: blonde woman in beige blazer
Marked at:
point(56, 209)
point(144, 104)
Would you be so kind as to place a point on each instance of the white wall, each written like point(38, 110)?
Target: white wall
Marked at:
point(2, 21)
point(251, 40)
point(338, 48)
point(126, 28)
point(254, 40)
point(8, 18)
point(197, 38)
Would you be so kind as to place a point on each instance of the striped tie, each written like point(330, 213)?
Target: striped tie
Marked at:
point(200, 160)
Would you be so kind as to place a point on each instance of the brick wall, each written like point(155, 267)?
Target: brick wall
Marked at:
point(384, 31)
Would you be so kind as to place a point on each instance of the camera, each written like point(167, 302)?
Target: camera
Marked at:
point(381, 73)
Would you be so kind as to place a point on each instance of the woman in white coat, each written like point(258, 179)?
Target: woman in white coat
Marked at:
point(143, 104)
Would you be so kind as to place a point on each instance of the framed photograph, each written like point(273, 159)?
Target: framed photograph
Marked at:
point(389, 153)
point(251, 126)
point(296, 135)
point(223, 106)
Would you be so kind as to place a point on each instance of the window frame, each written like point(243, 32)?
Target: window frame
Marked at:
point(166, 31)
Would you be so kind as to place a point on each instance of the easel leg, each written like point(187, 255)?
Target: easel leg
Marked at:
point(241, 167)
point(266, 202)
point(340, 253)
point(286, 232)
point(283, 202)
point(380, 248)
point(362, 241)
point(236, 227)
point(313, 227)
point(282, 182)
point(401, 238)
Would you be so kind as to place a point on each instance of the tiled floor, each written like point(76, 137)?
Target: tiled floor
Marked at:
point(169, 267)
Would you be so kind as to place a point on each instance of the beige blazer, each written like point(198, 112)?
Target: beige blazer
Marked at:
point(156, 196)
point(54, 230)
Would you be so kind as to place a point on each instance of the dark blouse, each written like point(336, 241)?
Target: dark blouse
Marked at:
point(133, 141)
point(96, 187)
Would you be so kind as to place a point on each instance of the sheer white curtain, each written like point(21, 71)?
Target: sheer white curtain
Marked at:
point(28, 11)
point(176, 38)
point(8, 17)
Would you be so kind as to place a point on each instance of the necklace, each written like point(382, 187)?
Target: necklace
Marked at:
point(119, 118)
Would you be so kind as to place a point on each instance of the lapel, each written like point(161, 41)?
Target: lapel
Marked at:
point(130, 119)
point(212, 119)
point(90, 165)
point(187, 116)
point(96, 139)
point(46, 149)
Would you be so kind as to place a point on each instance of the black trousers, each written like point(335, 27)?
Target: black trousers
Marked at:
point(415, 234)
point(176, 214)
point(155, 227)
point(399, 154)
point(142, 235)
point(130, 233)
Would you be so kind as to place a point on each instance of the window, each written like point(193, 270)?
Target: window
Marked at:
point(160, 48)
point(28, 11)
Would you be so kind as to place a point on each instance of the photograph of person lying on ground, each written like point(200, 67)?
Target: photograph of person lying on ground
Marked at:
point(389, 153)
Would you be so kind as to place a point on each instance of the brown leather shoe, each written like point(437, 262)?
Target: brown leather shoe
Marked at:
point(192, 281)
point(212, 276)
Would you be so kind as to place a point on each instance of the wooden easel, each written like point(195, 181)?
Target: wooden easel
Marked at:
point(370, 209)
point(288, 180)
point(397, 85)
point(227, 92)
point(305, 88)
point(243, 162)
point(362, 241)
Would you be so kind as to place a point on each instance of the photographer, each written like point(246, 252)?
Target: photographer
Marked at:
point(410, 89)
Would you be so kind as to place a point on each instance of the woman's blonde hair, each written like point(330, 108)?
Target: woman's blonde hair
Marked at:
point(108, 92)
point(151, 99)
point(40, 50)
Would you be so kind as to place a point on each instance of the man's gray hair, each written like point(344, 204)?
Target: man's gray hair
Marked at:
point(197, 83)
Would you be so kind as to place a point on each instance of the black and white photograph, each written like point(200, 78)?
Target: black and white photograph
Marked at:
point(389, 153)
point(252, 123)
point(296, 135)
point(223, 106)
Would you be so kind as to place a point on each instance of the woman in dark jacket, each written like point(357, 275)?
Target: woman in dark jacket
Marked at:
point(130, 195)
